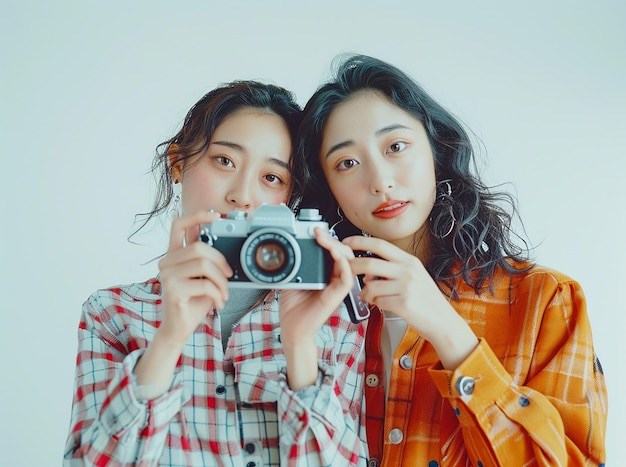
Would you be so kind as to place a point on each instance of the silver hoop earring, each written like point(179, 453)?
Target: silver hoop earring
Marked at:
point(448, 192)
point(176, 208)
point(442, 219)
point(342, 218)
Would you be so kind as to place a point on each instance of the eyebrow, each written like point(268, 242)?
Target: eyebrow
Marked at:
point(229, 144)
point(278, 162)
point(349, 142)
point(239, 147)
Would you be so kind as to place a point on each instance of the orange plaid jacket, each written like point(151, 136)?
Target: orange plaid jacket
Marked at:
point(532, 390)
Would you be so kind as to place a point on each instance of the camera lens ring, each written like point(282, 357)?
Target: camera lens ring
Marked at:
point(287, 242)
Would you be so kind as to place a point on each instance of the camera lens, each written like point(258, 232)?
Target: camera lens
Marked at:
point(270, 256)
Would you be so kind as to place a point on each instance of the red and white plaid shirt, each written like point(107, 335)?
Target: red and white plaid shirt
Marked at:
point(231, 408)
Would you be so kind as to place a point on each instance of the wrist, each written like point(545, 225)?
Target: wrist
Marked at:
point(455, 345)
point(167, 338)
point(302, 367)
point(158, 363)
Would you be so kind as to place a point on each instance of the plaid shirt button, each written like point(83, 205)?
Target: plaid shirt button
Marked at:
point(371, 380)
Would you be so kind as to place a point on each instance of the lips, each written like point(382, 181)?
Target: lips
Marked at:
point(390, 209)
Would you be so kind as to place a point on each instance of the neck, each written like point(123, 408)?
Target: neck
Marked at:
point(419, 245)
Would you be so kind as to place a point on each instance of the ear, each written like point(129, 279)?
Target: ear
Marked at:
point(176, 165)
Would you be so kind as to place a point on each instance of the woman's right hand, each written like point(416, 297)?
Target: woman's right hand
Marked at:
point(194, 278)
point(398, 282)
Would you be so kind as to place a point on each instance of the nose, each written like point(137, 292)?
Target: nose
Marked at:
point(240, 197)
point(381, 178)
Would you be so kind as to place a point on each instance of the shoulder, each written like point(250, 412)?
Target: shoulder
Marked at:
point(124, 316)
point(131, 296)
point(532, 285)
point(540, 288)
point(539, 270)
point(539, 276)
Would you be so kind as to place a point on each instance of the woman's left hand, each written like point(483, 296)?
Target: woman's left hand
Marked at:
point(303, 312)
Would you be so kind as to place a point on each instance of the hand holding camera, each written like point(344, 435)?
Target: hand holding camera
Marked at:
point(193, 279)
point(274, 249)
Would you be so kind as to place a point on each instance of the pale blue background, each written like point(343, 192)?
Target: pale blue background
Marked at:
point(88, 89)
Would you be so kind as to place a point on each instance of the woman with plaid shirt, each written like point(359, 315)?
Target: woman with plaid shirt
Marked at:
point(182, 369)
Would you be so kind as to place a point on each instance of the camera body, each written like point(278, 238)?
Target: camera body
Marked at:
point(271, 249)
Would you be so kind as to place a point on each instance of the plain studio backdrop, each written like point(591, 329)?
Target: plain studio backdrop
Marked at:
point(88, 89)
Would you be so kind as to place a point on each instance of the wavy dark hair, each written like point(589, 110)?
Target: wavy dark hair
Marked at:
point(205, 116)
point(481, 239)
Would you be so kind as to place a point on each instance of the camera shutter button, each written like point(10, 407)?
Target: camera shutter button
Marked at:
point(309, 214)
point(237, 215)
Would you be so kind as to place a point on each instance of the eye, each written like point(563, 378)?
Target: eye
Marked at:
point(223, 160)
point(347, 164)
point(396, 147)
point(274, 179)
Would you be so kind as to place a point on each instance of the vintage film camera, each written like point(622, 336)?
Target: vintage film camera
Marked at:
point(271, 249)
